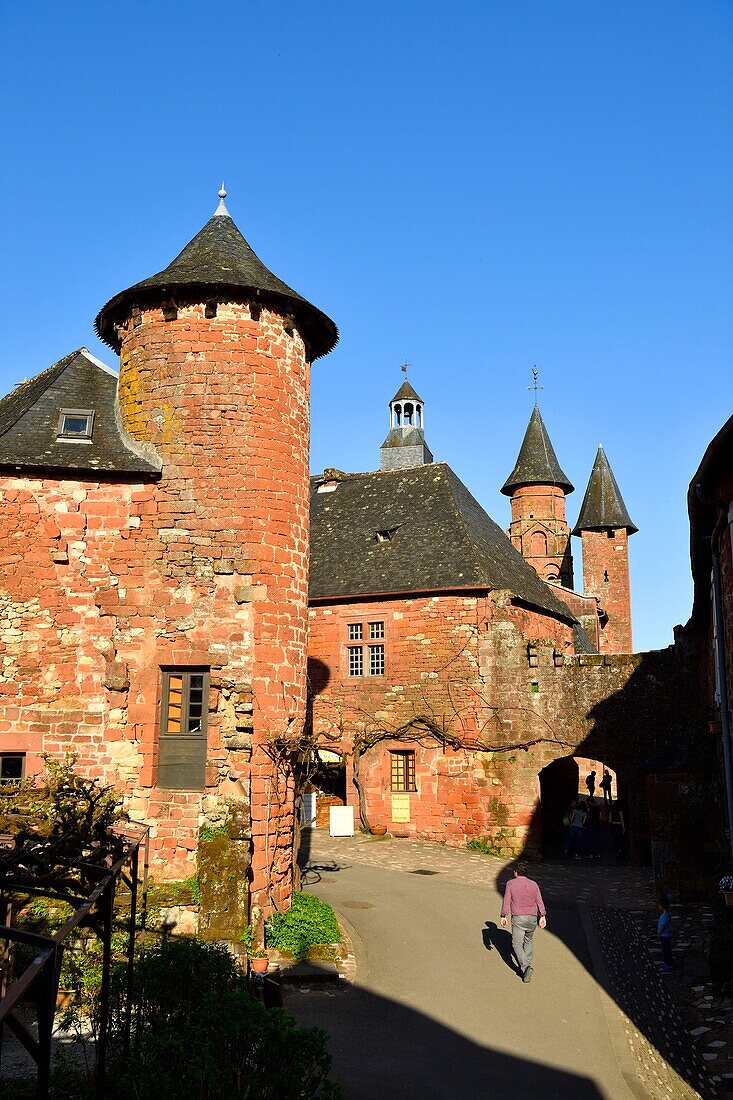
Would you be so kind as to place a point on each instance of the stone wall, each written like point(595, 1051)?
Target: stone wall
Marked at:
point(105, 582)
point(606, 576)
point(467, 663)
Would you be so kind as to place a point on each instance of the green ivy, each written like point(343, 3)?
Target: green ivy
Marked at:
point(308, 923)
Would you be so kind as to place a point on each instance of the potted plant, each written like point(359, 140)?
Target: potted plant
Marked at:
point(259, 961)
point(726, 888)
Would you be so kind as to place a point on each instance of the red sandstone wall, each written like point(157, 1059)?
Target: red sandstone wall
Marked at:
point(463, 661)
point(103, 584)
point(539, 511)
point(606, 575)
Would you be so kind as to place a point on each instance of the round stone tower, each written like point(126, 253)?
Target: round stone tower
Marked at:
point(215, 354)
point(538, 489)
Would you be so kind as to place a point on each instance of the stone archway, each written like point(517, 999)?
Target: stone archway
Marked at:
point(559, 782)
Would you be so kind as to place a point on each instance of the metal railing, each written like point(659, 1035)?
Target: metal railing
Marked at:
point(90, 888)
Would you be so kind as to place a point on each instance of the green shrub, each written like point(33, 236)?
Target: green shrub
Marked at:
point(481, 844)
point(201, 1034)
point(308, 923)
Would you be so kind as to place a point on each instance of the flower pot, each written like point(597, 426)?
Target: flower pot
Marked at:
point(378, 830)
point(259, 966)
point(728, 897)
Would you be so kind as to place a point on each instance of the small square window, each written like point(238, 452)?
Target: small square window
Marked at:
point(355, 632)
point(376, 630)
point(12, 767)
point(75, 424)
point(356, 660)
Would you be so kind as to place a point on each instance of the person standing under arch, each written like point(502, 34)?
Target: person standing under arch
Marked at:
point(605, 786)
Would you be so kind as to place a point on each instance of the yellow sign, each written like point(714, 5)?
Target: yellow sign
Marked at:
point(400, 807)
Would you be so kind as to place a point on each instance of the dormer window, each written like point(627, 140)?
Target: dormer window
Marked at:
point(75, 426)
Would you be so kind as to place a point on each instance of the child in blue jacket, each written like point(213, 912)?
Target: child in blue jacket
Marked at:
point(664, 931)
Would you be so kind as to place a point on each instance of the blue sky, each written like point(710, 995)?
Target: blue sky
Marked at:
point(477, 187)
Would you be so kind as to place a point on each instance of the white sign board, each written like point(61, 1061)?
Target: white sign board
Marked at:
point(342, 821)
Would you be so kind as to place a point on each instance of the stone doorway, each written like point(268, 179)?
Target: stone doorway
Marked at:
point(560, 782)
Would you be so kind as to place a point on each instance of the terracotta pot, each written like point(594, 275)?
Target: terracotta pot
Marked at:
point(378, 830)
point(259, 966)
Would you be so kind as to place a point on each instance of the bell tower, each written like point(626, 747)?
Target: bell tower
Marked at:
point(537, 488)
point(405, 443)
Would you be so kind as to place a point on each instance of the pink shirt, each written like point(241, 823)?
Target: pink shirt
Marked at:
point(522, 898)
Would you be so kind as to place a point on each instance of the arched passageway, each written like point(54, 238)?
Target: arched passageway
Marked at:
point(562, 781)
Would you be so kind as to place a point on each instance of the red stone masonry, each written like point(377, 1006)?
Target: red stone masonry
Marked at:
point(540, 532)
point(606, 576)
point(105, 583)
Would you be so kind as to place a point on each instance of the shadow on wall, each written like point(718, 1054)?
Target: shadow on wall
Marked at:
point(656, 723)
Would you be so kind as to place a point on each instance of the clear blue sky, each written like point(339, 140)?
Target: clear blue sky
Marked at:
point(474, 186)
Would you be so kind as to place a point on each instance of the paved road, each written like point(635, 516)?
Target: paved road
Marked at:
point(436, 1010)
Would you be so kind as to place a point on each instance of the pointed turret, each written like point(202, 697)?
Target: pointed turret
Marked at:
point(603, 507)
point(405, 443)
point(537, 462)
point(604, 525)
point(538, 487)
point(219, 262)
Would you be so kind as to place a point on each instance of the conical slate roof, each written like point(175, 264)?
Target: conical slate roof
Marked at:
point(220, 259)
point(537, 462)
point(406, 393)
point(603, 506)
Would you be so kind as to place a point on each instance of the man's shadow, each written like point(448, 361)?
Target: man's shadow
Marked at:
point(499, 939)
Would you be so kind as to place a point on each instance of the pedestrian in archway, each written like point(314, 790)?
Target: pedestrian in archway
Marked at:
point(568, 823)
point(618, 828)
point(590, 782)
point(577, 831)
point(605, 785)
point(593, 830)
point(523, 903)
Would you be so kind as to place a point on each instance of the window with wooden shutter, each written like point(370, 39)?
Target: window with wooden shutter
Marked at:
point(182, 742)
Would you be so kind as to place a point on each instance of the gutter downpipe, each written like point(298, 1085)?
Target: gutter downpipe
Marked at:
point(720, 654)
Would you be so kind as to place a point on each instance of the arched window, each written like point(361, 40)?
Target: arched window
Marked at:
point(409, 413)
point(397, 416)
point(538, 544)
point(418, 414)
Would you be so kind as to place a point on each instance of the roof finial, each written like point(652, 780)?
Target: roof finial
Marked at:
point(221, 209)
point(534, 385)
point(404, 367)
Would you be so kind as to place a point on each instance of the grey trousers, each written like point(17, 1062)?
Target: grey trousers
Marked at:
point(523, 929)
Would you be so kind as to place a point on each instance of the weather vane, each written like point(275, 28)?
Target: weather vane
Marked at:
point(534, 386)
point(404, 366)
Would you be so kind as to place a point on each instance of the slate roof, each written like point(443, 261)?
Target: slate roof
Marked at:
point(537, 462)
point(406, 393)
point(29, 419)
point(581, 641)
point(603, 506)
point(217, 259)
point(437, 537)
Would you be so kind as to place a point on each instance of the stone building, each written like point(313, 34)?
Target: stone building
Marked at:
point(154, 553)
point(463, 679)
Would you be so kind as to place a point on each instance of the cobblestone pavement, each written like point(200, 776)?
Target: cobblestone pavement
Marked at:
point(706, 1013)
point(662, 1015)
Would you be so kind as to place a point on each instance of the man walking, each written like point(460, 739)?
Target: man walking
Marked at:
point(523, 902)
